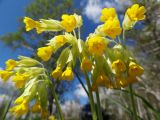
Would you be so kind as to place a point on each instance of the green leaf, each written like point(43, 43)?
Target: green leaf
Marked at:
point(63, 57)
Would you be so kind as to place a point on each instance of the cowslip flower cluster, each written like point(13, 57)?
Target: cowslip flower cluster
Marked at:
point(29, 76)
point(109, 65)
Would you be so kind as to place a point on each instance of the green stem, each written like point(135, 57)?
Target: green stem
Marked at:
point(133, 103)
point(99, 106)
point(79, 33)
point(56, 100)
point(124, 39)
point(79, 79)
point(91, 100)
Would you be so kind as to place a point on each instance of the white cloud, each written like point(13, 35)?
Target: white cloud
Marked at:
point(93, 7)
point(80, 92)
point(93, 10)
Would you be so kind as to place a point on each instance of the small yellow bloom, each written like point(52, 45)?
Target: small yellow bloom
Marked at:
point(135, 12)
point(36, 108)
point(20, 109)
point(96, 45)
point(108, 14)
point(44, 113)
point(45, 53)
point(10, 64)
point(119, 66)
point(19, 100)
point(86, 64)
point(20, 79)
point(112, 28)
point(102, 80)
point(52, 117)
point(67, 74)
point(135, 69)
point(5, 75)
point(30, 23)
point(68, 22)
point(123, 82)
point(60, 40)
point(57, 72)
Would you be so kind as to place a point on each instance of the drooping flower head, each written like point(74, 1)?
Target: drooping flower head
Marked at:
point(60, 40)
point(5, 75)
point(20, 79)
point(86, 65)
point(30, 23)
point(67, 74)
point(68, 22)
point(135, 69)
point(20, 109)
point(57, 72)
point(45, 53)
point(10, 64)
point(119, 66)
point(108, 14)
point(36, 108)
point(96, 45)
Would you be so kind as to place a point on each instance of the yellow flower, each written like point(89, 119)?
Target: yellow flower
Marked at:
point(60, 40)
point(119, 66)
point(123, 82)
point(67, 74)
point(132, 15)
point(20, 109)
point(57, 72)
point(10, 64)
point(30, 23)
point(19, 100)
point(20, 79)
point(51, 117)
point(135, 12)
point(36, 108)
point(44, 113)
point(112, 28)
point(86, 64)
point(5, 75)
point(102, 80)
point(108, 14)
point(135, 69)
point(45, 53)
point(96, 45)
point(68, 22)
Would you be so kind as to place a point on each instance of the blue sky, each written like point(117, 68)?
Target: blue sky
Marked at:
point(10, 11)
